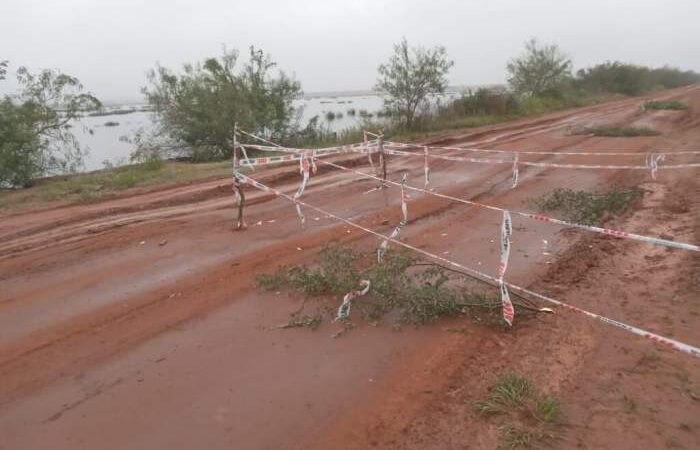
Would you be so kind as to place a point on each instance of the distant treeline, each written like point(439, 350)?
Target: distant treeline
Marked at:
point(631, 79)
point(607, 78)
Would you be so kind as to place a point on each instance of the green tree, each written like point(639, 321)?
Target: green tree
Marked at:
point(410, 76)
point(540, 70)
point(35, 129)
point(197, 110)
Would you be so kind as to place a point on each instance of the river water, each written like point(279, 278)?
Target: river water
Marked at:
point(108, 139)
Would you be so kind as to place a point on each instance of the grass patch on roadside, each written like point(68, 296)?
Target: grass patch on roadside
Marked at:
point(618, 131)
point(525, 414)
point(672, 105)
point(587, 207)
point(99, 184)
point(410, 291)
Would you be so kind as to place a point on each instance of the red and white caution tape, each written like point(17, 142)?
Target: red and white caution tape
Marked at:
point(245, 155)
point(506, 233)
point(646, 166)
point(344, 309)
point(525, 152)
point(369, 154)
point(540, 217)
point(402, 223)
point(515, 171)
point(265, 160)
point(670, 343)
point(305, 167)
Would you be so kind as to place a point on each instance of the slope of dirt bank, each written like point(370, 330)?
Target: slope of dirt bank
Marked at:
point(135, 323)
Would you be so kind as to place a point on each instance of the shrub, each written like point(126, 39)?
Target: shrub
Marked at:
point(587, 207)
point(619, 131)
point(417, 296)
point(670, 105)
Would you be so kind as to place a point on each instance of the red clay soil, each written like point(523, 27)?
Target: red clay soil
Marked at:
point(135, 322)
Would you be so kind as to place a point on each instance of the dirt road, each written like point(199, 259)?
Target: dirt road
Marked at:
point(135, 322)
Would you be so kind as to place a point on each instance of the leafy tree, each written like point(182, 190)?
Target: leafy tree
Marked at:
point(198, 109)
point(410, 76)
point(540, 70)
point(35, 129)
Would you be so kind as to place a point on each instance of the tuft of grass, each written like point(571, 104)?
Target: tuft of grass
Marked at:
point(618, 131)
point(513, 436)
point(511, 389)
point(547, 409)
point(529, 415)
point(487, 408)
point(587, 207)
point(673, 105)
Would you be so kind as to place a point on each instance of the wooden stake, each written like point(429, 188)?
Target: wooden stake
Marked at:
point(240, 223)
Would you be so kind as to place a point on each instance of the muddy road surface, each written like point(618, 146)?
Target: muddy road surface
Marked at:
point(135, 322)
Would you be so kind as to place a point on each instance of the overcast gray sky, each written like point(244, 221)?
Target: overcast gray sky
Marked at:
point(335, 45)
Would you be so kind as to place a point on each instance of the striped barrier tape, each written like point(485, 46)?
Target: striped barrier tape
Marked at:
point(344, 309)
point(402, 223)
point(305, 167)
point(356, 148)
point(667, 342)
point(546, 164)
point(265, 160)
point(539, 217)
point(506, 233)
point(369, 154)
point(527, 152)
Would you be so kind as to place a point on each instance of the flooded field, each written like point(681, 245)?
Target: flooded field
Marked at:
point(109, 138)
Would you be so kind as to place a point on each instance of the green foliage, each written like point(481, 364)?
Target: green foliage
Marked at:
point(511, 389)
point(35, 136)
point(540, 70)
point(198, 108)
point(410, 76)
point(416, 296)
point(516, 437)
point(587, 207)
point(531, 416)
point(619, 131)
point(630, 79)
point(673, 105)
point(483, 102)
point(547, 409)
